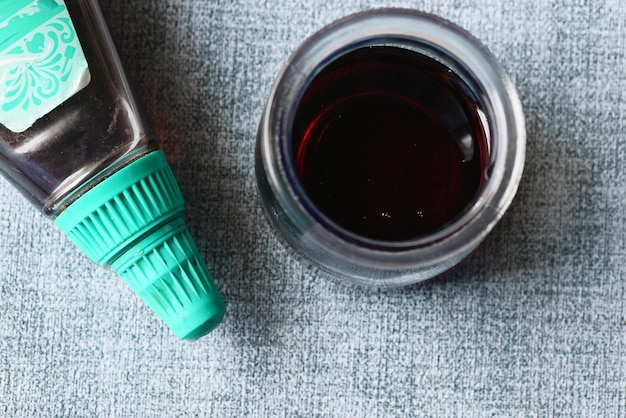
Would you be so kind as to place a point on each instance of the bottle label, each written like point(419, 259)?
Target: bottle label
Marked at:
point(41, 61)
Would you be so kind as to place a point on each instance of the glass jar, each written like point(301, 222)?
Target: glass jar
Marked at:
point(353, 256)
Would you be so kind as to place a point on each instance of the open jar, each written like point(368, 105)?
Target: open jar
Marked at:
point(391, 144)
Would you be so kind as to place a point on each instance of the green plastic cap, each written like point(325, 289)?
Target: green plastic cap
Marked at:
point(133, 222)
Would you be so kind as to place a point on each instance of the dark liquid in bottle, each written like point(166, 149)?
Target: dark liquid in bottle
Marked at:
point(389, 144)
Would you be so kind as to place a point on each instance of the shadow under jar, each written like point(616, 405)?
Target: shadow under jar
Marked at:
point(390, 146)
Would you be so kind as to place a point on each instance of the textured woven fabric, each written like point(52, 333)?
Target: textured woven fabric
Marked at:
point(532, 324)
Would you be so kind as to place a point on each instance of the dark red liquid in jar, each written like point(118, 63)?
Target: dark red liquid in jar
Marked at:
point(389, 144)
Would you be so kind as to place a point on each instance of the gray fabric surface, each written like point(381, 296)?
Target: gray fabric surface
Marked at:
point(532, 324)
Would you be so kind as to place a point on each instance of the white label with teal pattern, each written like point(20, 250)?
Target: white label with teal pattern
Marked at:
point(41, 61)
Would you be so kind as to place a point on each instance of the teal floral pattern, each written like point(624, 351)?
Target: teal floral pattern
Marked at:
point(43, 65)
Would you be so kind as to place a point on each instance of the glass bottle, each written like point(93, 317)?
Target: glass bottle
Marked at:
point(76, 142)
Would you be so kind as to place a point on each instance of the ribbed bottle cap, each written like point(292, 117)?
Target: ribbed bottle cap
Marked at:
point(132, 221)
